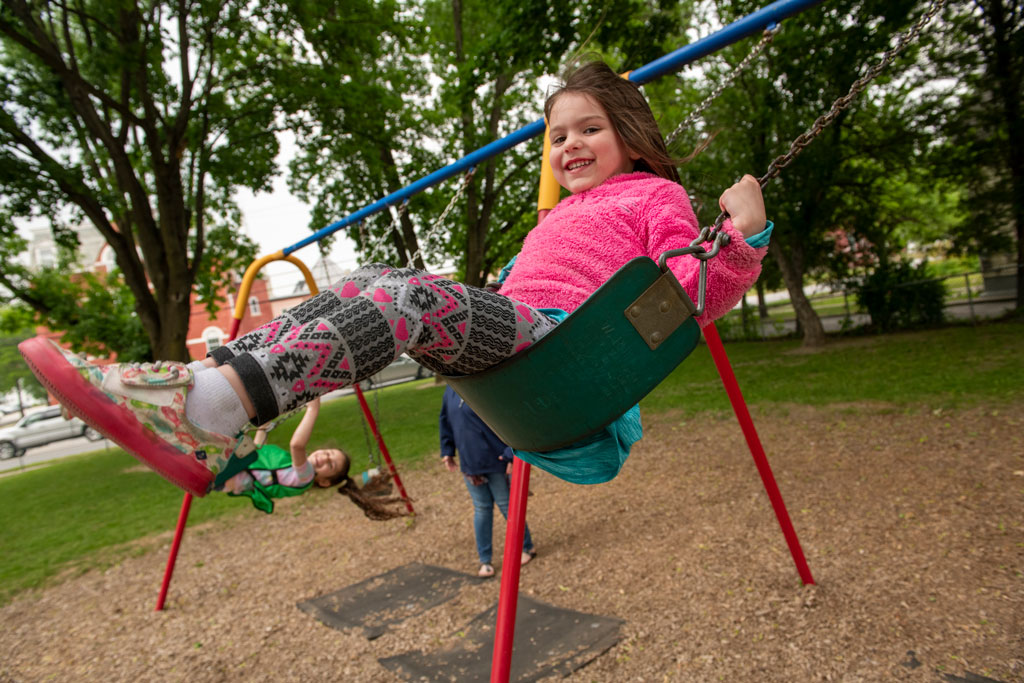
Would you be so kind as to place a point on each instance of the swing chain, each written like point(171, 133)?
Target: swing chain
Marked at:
point(378, 245)
point(395, 223)
point(714, 233)
point(844, 101)
point(372, 450)
point(766, 38)
point(444, 214)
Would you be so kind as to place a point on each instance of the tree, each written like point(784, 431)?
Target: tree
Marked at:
point(456, 75)
point(814, 60)
point(496, 53)
point(362, 137)
point(140, 119)
point(980, 118)
point(15, 327)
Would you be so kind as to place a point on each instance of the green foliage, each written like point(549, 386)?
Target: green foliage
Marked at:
point(15, 327)
point(140, 123)
point(953, 266)
point(860, 175)
point(226, 251)
point(446, 80)
point(898, 295)
point(96, 312)
point(976, 72)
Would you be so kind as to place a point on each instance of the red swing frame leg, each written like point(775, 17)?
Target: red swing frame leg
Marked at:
point(179, 531)
point(383, 449)
point(187, 502)
point(508, 596)
point(739, 406)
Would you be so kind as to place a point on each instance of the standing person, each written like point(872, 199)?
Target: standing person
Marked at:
point(625, 202)
point(486, 464)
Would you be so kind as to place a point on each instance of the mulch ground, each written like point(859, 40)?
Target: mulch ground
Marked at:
point(911, 523)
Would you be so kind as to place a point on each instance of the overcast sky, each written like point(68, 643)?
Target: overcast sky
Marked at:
point(278, 220)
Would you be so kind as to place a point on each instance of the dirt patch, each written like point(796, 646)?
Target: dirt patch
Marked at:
point(912, 524)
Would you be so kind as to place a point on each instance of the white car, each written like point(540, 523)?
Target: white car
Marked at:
point(40, 428)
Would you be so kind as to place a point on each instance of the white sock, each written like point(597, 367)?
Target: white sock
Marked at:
point(214, 406)
point(197, 366)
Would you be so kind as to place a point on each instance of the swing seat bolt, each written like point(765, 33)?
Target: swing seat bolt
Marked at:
point(657, 338)
point(635, 311)
point(664, 307)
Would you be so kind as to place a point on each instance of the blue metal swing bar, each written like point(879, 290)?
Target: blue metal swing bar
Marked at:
point(674, 61)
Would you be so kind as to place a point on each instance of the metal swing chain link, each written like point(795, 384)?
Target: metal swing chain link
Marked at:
point(766, 38)
point(373, 451)
point(402, 209)
point(382, 239)
point(804, 139)
point(714, 233)
point(841, 103)
point(444, 214)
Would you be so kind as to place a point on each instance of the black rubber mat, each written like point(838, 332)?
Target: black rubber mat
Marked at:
point(378, 602)
point(548, 641)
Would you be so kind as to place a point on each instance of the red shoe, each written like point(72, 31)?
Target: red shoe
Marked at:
point(141, 407)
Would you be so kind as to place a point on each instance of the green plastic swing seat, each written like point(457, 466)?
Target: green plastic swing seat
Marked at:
point(593, 367)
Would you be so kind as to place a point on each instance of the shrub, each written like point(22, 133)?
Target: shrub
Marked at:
point(898, 295)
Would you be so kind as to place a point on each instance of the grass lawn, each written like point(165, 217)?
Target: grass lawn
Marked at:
point(92, 509)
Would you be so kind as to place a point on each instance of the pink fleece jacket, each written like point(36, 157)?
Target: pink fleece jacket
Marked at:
point(590, 235)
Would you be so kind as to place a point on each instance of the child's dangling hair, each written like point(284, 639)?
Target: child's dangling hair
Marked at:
point(373, 497)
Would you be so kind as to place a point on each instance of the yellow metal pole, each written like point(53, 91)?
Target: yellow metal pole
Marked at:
point(549, 190)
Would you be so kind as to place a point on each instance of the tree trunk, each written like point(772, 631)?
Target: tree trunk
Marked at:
point(175, 314)
point(792, 274)
point(404, 236)
point(762, 305)
point(1009, 79)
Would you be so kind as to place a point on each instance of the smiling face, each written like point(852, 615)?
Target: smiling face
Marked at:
point(585, 148)
point(328, 463)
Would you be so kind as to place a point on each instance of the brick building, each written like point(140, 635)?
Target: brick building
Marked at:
point(204, 333)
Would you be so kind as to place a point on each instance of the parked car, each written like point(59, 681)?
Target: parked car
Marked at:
point(403, 369)
point(39, 428)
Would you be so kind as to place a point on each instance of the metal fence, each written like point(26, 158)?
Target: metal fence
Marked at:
point(971, 296)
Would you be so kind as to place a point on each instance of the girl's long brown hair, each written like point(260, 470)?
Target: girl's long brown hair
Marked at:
point(373, 498)
point(629, 112)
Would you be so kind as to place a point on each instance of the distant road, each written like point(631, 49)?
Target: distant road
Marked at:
point(57, 449)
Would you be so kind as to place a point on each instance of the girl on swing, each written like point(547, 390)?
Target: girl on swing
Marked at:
point(189, 422)
point(280, 473)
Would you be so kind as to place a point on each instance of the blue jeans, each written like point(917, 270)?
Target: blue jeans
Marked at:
point(485, 496)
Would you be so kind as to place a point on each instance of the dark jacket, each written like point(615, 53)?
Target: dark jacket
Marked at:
point(480, 451)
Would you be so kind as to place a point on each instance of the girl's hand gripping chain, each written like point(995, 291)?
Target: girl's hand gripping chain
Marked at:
point(745, 206)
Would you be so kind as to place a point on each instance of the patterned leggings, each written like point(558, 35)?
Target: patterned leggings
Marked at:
point(363, 322)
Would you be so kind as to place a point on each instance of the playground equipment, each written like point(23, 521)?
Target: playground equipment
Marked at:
point(239, 313)
point(667, 323)
point(501, 660)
